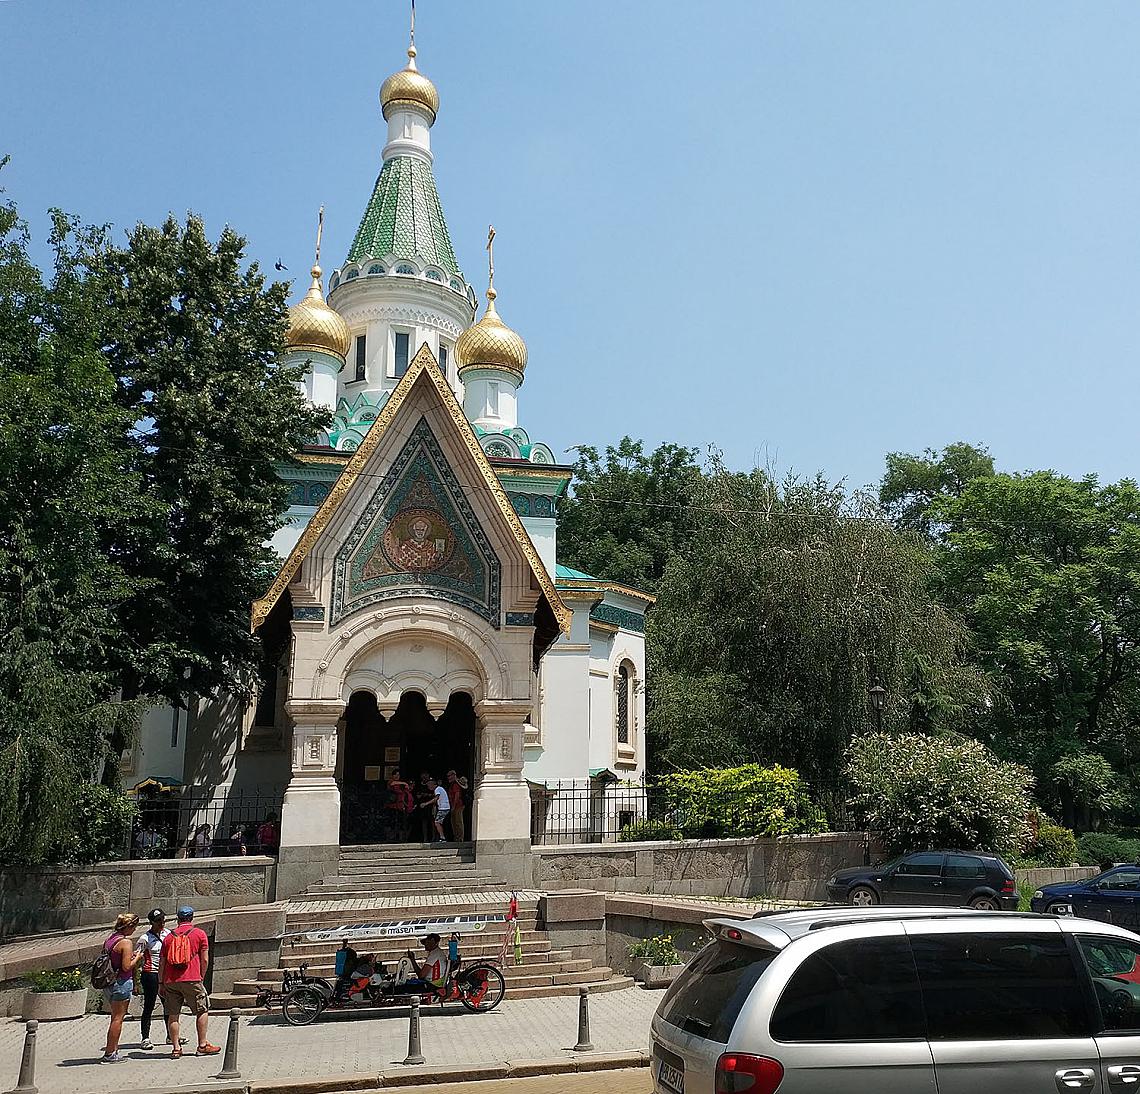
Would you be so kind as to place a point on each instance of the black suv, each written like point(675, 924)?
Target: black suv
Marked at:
point(950, 878)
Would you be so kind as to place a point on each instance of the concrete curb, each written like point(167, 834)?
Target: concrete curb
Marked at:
point(423, 1075)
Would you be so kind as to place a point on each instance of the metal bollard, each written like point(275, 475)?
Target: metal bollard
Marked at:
point(230, 1060)
point(415, 1053)
point(26, 1084)
point(584, 1043)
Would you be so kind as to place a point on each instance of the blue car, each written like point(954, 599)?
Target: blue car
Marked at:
point(1111, 897)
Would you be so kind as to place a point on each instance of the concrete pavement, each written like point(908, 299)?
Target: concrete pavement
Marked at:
point(345, 1044)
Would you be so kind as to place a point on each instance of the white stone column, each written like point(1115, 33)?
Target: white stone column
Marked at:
point(310, 812)
point(501, 815)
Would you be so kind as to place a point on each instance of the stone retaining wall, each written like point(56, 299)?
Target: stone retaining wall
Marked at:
point(791, 868)
point(52, 898)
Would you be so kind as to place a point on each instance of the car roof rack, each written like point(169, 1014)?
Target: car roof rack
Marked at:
point(902, 913)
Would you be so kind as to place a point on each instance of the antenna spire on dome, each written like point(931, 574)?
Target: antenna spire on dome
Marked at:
point(320, 229)
point(412, 39)
point(491, 294)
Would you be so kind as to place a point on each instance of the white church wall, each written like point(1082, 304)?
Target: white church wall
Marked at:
point(543, 532)
point(292, 525)
point(564, 752)
point(159, 750)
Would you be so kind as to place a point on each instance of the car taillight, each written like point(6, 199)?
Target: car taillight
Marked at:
point(737, 1072)
point(1008, 886)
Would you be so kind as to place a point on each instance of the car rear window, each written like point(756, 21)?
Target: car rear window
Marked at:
point(993, 987)
point(862, 990)
point(705, 1000)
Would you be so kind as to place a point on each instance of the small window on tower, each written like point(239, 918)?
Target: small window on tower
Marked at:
point(492, 410)
point(443, 358)
point(361, 353)
point(402, 342)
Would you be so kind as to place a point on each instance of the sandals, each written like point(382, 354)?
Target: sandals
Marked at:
point(176, 1053)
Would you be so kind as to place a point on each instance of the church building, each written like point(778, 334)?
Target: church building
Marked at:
point(420, 620)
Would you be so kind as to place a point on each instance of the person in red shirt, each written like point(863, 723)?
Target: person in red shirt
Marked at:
point(184, 983)
point(455, 796)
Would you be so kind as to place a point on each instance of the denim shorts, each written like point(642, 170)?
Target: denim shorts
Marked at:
point(119, 991)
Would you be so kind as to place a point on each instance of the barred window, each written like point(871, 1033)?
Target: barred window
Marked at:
point(361, 352)
point(623, 706)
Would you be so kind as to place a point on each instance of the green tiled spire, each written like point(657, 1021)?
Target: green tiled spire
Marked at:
point(404, 217)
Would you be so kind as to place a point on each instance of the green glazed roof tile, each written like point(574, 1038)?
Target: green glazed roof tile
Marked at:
point(404, 218)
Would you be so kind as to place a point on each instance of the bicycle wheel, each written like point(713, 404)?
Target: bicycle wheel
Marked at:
point(302, 1005)
point(481, 988)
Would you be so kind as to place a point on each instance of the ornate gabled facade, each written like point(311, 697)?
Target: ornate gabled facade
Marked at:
point(420, 619)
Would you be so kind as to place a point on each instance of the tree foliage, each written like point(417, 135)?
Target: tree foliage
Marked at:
point(629, 512)
point(913, 484)
point(1046, 571)
point(921, 792)
point(774, 618)
point(144, 406)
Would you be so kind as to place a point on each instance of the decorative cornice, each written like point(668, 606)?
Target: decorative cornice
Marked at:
point(421, 316)
point(567, 583)
point(619, 617)
point(424, 363)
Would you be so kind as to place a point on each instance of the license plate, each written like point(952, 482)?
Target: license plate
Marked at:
point(671, 1078)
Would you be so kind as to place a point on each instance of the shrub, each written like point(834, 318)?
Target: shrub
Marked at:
point(715, 803)
point(51, 980)
point(1055, 846)
point(918, 791)
point(647, 830)
point(657, 951)
point(105, 819)
point(1093, 848)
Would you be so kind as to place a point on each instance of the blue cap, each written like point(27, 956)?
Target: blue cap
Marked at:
point(185, 912)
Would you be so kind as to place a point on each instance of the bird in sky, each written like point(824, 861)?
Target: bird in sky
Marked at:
point(280, 266)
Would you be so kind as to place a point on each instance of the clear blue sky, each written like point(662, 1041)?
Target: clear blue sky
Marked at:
point(809, 233)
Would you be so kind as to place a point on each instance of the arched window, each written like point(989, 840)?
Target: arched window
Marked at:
point(621, 704)
point(352, 275)
point(404, 268)
point(456, 285)
point(377, 270)
point(434, 275)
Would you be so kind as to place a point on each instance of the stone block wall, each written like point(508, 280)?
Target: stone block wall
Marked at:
point(791, 868)
point(55, 898)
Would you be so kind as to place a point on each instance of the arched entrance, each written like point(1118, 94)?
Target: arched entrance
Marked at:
point(410, 741)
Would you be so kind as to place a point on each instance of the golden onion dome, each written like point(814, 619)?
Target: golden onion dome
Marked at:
point(409, 86)
point(314, 325)
point(490, 343)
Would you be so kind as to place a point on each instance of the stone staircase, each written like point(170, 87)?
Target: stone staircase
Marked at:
point(384, 883)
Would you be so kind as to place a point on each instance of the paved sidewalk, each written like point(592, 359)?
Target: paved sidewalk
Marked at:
point(344, 1044)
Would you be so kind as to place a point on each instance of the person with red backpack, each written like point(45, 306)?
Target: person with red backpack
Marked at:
point(182, 971)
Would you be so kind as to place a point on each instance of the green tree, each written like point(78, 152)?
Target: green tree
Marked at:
point(68, 496)
point(629, 512)
point(785, 605)
point(1046, 571)
point(919, 792)
point(1088, 787)
point(912, 484)
point(193, 337)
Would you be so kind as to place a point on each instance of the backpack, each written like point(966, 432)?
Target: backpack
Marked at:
point(178, 949)
point(103, 973)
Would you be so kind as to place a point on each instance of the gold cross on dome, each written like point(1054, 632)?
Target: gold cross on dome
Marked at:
point(320, 228)
point(490, 253)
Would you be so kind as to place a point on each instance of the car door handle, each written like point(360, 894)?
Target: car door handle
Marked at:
point(1124, 1075)
point(1076, 1078)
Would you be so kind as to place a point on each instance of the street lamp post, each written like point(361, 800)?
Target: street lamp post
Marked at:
point(877, 693)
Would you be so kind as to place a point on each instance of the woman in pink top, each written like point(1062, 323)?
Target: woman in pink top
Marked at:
point(124, 958)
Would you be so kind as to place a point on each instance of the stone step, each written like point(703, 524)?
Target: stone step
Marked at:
point(360, 910)
point(380, 879)
point(443, 888)
point(406, 866)
point(406, 850)
point(225, 1001)
point(534, 967)
point(293, 955)
point(515, 976)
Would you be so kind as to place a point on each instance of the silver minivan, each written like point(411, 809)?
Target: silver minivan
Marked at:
point(903, 1001)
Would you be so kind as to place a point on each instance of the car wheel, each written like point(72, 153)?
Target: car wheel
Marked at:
point(862, 896)
point(984, 904)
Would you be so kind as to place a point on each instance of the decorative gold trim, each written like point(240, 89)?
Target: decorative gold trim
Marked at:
point(568, 583)
point(423, 362)
point(604, 628)
point(305, 457)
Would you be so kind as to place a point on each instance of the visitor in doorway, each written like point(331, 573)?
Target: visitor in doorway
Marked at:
point(150, 950)
point(401, 804)
point(124, 958)
point(269, 834)
point(458, 803)
point(442, 809)
point(201, 843)
point(182, 982)
point(237, 841)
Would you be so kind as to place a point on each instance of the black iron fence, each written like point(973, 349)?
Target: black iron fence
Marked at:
point(194, 824)
point(608, 811)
